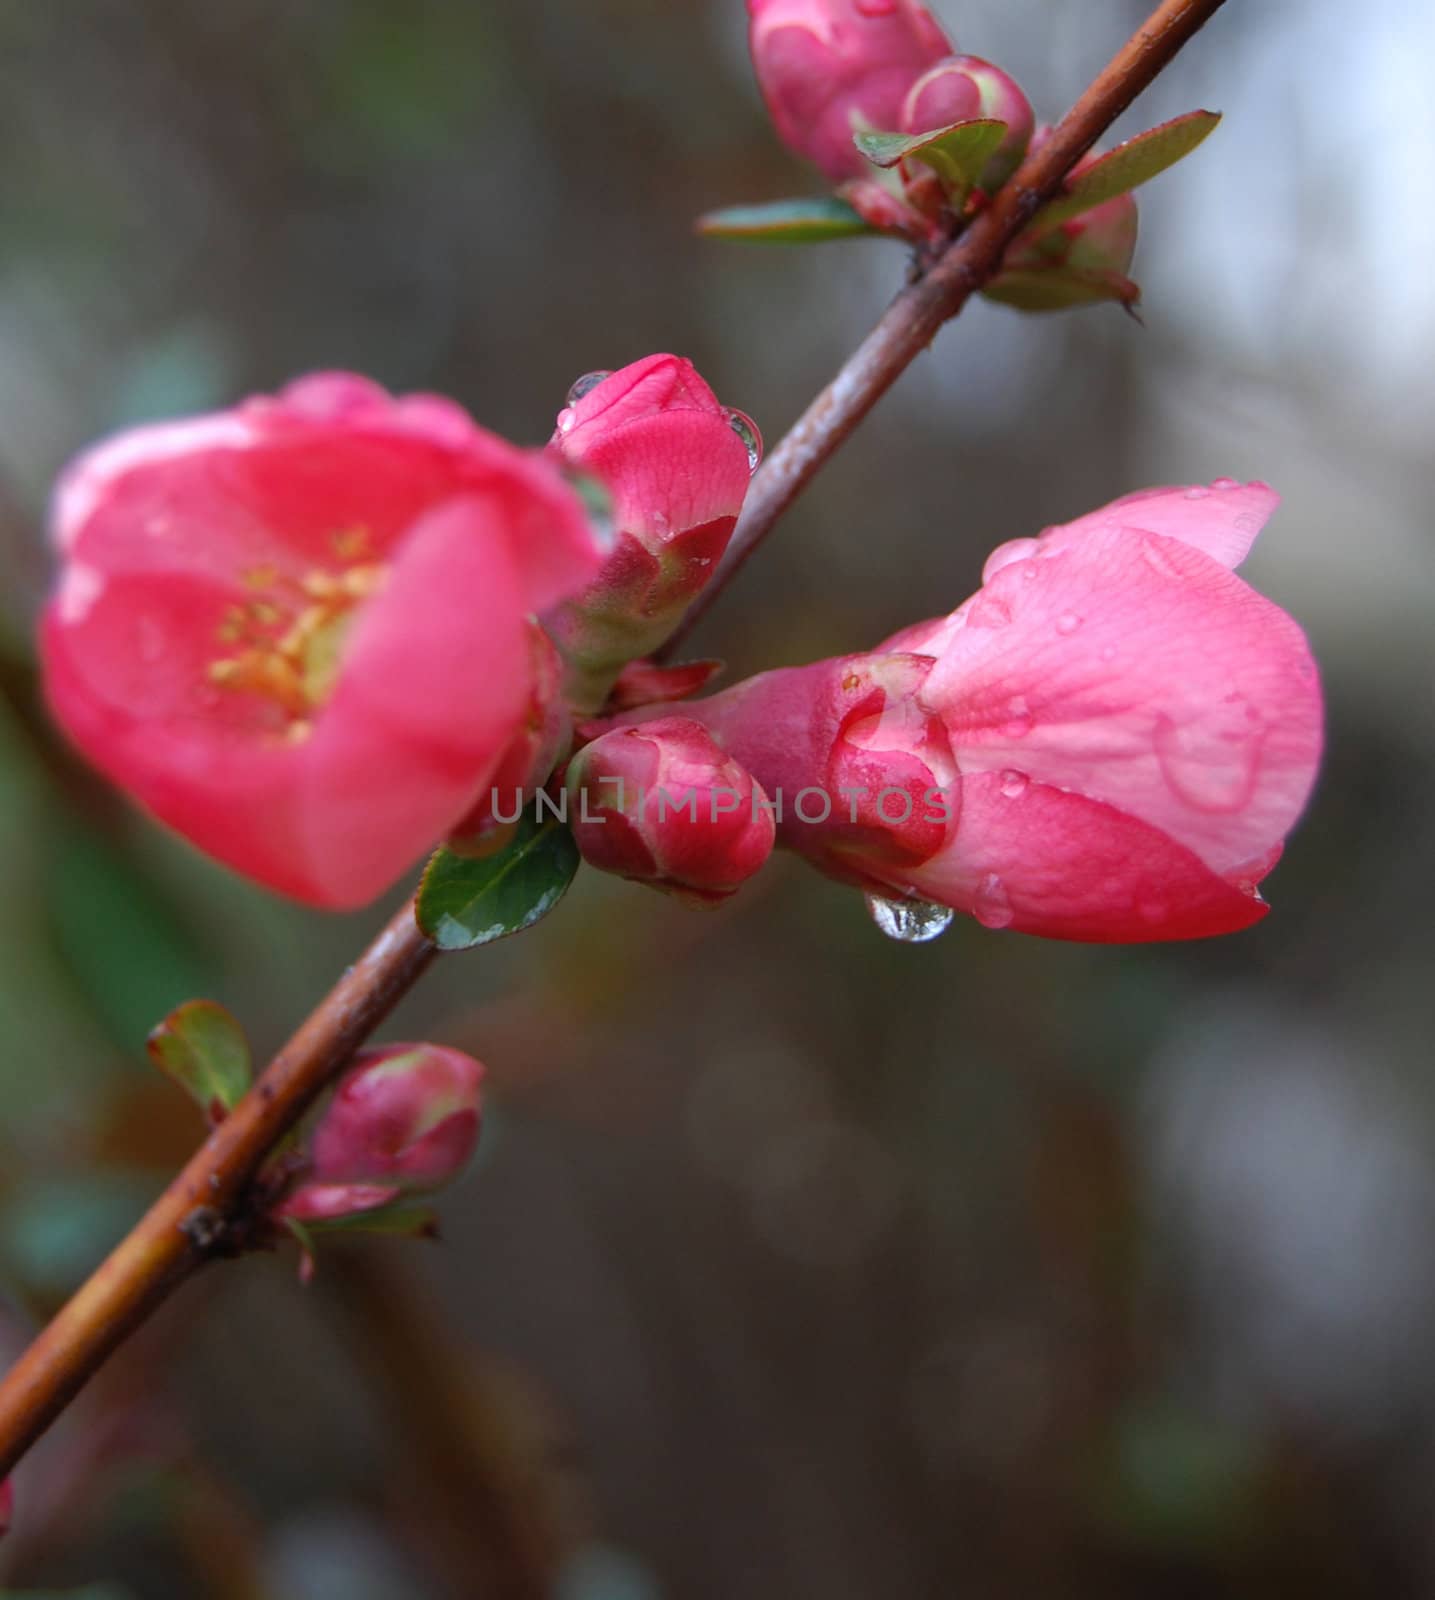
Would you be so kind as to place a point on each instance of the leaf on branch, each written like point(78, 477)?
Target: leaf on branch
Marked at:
point(203, 1049)
point(463, 903)
point(1061, 288)
point(957, 154)
point(1126, 167)
point(786, 222)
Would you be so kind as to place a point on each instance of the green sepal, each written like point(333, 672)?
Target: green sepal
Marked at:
point(203, 1049)
point(1060, 288)
point(958, 154)
point(800, 221)
point(1126, 167)
point(463, 903)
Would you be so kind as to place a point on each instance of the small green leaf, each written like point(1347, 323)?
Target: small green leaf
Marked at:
point(957, 154)
point(786, 222)
point(463, 903)
point(204, 1050)
point(1124, 168)
point(1060, 288)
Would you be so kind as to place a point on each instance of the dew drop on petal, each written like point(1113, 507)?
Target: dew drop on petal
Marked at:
point(1196, 492)
point(1211, 768)
point(909, 921)
point(992, 907)
point(1225, 483)
point(1005, 554)
point(1154, 554)
point(1067, 623)
point(1019, 720)
point(746, 430)
point(1247, 522)
point(1014, 784)
point(1108, 652)
point(585, 385)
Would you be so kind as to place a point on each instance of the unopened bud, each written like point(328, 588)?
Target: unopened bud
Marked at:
point(404, 1119)
point(676, 465)
point(963, 88)
point(663, 804)
point(831, 68)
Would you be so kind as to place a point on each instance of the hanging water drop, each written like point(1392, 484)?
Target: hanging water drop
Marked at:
point(1225, 483)
point(1067, 623)
point(746, 430)
point(992, 907)
point(910, 921)
point(1197, 493)
point(1014, 784)
point(585, 385)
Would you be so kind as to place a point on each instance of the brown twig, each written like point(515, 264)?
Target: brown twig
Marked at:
point(915, 316)
point(192, 1219)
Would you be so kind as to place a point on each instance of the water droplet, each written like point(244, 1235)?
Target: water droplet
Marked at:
point(1108, 652)
point(989, 611)
point(1196, 492)
point(1213, 765)
point(1247, 522)
point(1225, 483)
point(1067, 623)
point(746, 430)
point(1019, 721)
point(584, 385)
point(910, 921)
point(992, 907)
point(1006, 554)
point(1014, 783)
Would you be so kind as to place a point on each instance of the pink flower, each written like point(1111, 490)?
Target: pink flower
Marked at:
point(296, 631)
point(1110, 741)
point(676, 465)
point(662, 804)
point(831, 68)
point(404, 1118)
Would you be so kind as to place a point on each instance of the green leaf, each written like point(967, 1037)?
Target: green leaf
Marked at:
point(1124, 168)
point(957, 154)
point(1060, 288)
point(786, 222)
point(463, 903)
point(204, 1050)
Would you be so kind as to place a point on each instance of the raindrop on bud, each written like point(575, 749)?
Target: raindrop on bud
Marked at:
point(585, 385)
point(746, 430)
point(910, 921)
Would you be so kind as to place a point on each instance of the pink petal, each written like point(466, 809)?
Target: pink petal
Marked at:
point(1036, 860)
point(1222, 520)
point(1134, 670)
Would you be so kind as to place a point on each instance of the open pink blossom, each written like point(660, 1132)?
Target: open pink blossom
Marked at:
point(676, 465)
point(1110, 741)
point(296, 631)
point(831, 68)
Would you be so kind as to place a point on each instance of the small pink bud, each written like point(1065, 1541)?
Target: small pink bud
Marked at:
point(676, 465)
point(962, 88)
point(664, 805)
point(831, 68)
point(404, 1118)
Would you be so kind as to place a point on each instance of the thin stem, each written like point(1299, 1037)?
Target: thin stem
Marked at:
point(196, 1216)
point(915, 316)
point(191, 1222)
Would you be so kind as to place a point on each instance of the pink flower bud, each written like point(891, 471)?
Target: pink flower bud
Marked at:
point(677, 466)
point(297, 631)
point(832, 68)
point(404, 1118)
point(1120, 733)
point(664, 805)
point(962, 88)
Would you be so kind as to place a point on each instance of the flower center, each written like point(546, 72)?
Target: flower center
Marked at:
point(286, 645)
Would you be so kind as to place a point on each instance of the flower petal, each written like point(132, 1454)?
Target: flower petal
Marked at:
point(1034, 859)
point(1134, 670)
point(1222, 520)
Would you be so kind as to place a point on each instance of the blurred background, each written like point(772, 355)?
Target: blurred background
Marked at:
point(796, 1262)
